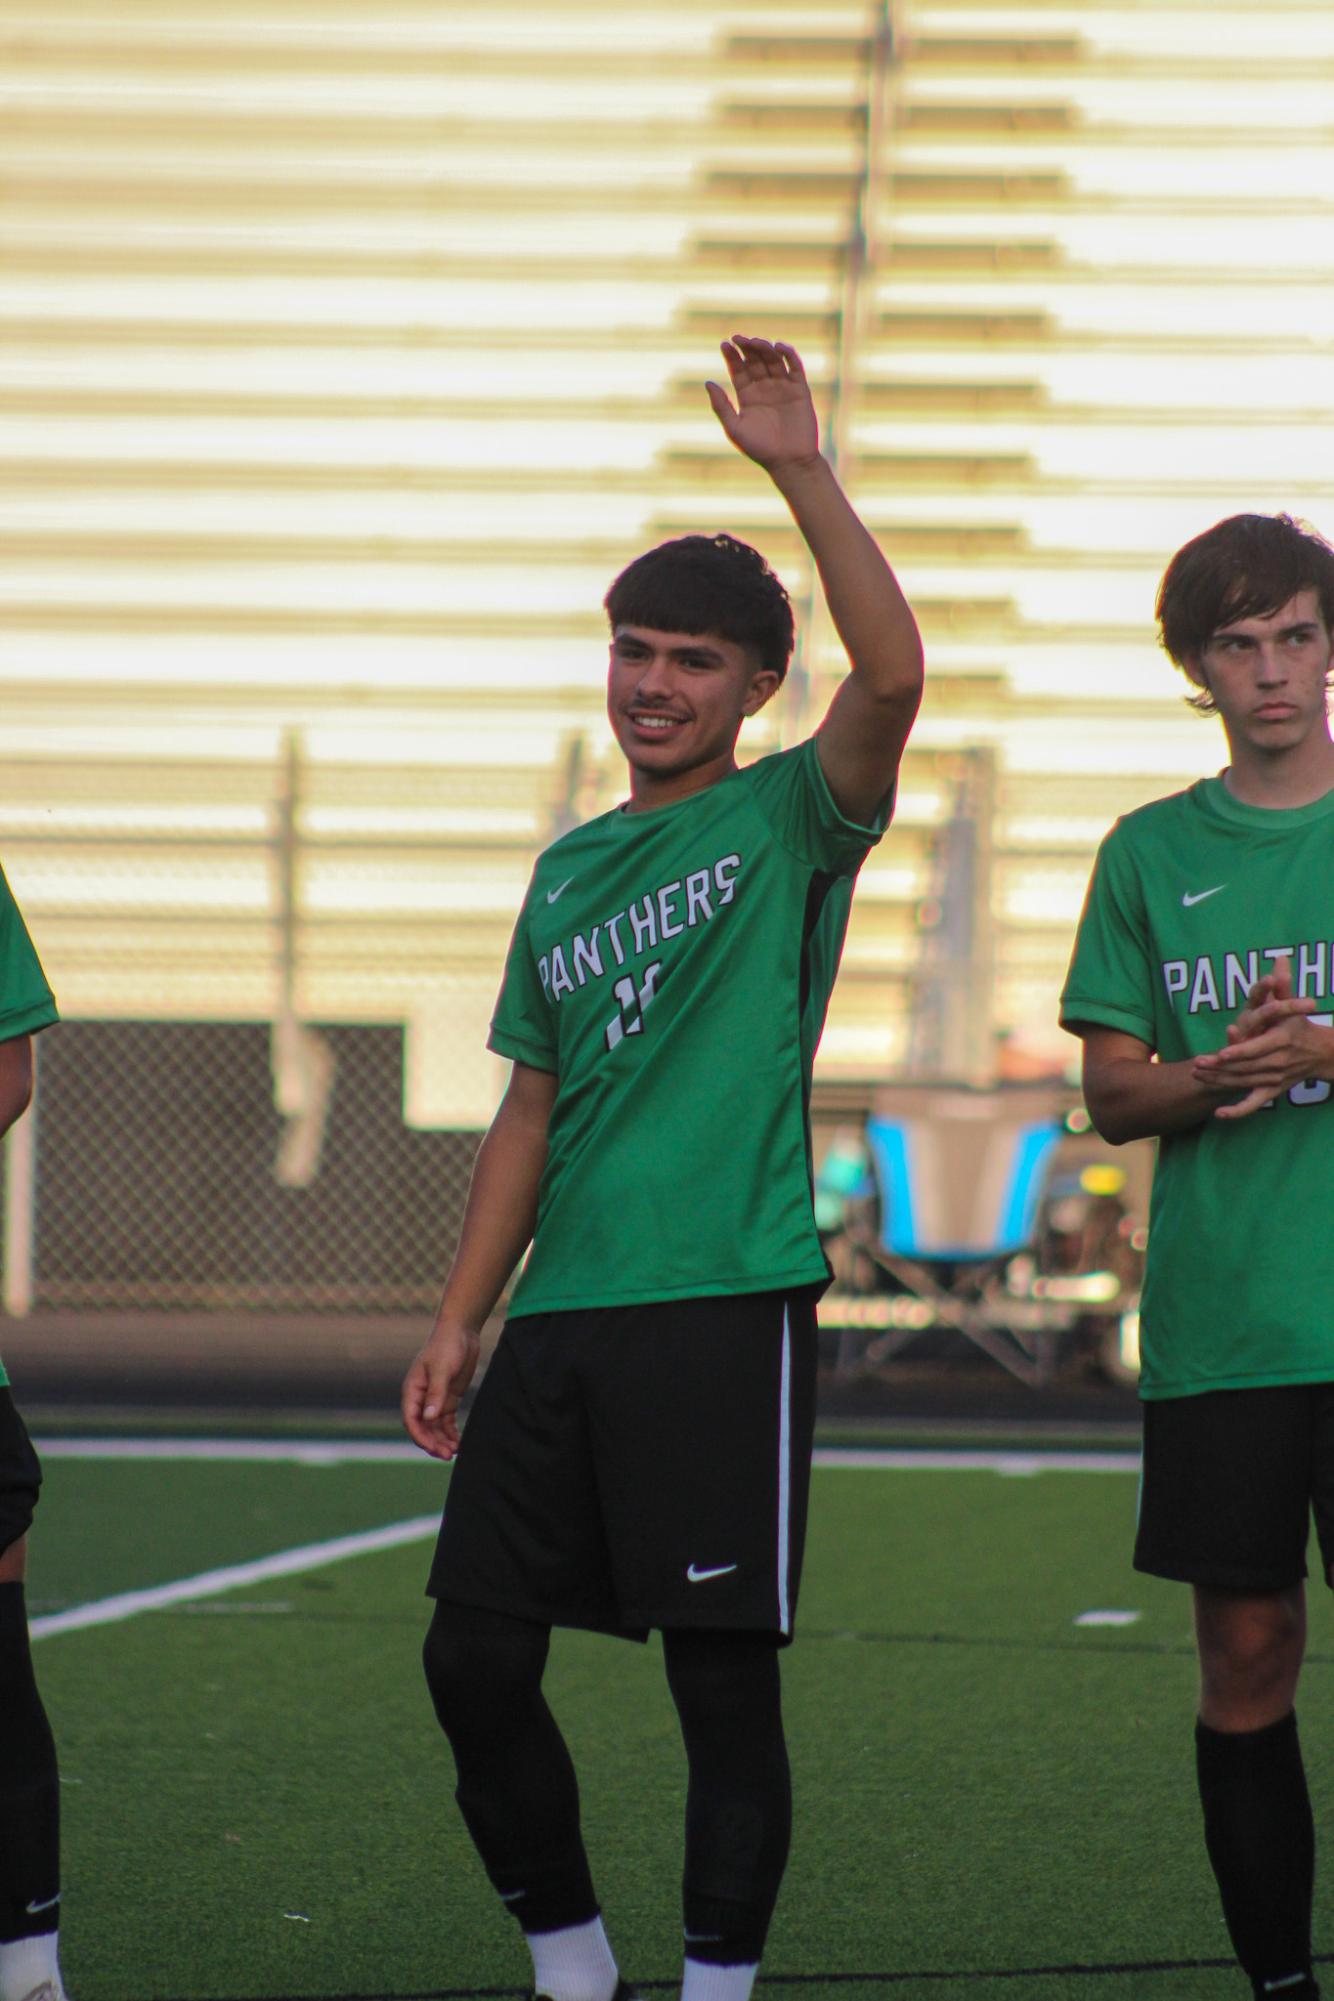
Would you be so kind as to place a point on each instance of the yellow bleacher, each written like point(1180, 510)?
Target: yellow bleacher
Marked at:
point(345, 356)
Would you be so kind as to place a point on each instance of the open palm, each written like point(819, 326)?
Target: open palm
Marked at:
point(773, 421)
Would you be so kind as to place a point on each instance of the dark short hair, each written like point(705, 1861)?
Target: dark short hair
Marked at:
point(707, 584)
point(1248, 566)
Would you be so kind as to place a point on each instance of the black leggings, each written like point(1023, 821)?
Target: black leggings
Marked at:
point(29, 1787)
point(519, 1797)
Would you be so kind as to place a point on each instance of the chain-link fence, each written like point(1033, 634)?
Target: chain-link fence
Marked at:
point(157, 1180)
point(270, 1078)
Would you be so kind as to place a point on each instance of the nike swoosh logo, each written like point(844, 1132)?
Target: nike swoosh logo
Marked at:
point(552, 894)
point(1200, 895)
point(695, 1575)
point(46, 1904)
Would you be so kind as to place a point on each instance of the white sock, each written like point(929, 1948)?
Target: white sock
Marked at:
point(26, 1962)
point(574, 1964)
point(717, 1983)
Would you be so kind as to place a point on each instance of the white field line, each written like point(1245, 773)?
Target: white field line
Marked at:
point(358, 1452)
point(290, 1451)
point(313, 1556)
point(210, 1583)
point(1004, 1463)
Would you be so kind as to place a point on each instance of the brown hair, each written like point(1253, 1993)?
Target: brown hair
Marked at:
point(707, 583)
point(1248, 566)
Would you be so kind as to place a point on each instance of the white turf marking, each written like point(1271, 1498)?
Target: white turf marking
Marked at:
point(351, 1452)
point(311, 1452)
point(209, 1583)
point(1109, 1618)
point(313, 1556)
point(1010, 1465)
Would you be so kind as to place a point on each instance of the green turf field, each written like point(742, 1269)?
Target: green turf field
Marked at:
point(993, 1802)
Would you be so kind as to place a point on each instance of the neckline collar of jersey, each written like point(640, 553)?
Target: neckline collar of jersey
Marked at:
point(624, 816)
point(1215, 797)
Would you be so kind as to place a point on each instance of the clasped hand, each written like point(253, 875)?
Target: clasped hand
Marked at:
point(1270, 1047)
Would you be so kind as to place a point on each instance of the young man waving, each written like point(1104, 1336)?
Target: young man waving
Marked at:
point(638, 1455)
point(1202, 985)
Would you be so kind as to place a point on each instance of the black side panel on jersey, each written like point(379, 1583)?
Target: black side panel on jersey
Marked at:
point(816, 897)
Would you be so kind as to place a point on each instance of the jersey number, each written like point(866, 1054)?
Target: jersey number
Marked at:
point(633, 1003)
point(1315, 1090)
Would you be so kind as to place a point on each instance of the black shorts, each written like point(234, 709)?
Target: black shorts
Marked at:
point(20, 1474)
point(1231, 1482)
point(627, 1467)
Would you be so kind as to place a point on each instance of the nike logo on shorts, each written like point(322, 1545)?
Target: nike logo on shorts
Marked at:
point(35, 1908)
point(694, 1575)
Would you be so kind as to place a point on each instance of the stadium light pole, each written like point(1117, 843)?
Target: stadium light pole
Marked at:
point(857, 281)
point(301, 1061)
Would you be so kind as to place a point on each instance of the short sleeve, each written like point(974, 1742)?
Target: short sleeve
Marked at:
point(26, 1000)
point(1110, 982)
point(522, 1027)
point(793, 794)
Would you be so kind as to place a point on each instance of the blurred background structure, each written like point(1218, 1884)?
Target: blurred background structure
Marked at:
point(346, 353)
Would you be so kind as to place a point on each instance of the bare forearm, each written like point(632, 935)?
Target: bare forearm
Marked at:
point(870, 612)
point(15, 1080)
point(497, 1221)
point(1128, 1099)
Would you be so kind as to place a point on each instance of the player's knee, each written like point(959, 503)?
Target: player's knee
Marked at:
point(15, 1649)
point(1251, 1651)
point(723, 1683)
point(27, 1750)
point(479, 1665)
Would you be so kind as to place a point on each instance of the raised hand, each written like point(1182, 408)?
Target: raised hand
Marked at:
point(773, 421)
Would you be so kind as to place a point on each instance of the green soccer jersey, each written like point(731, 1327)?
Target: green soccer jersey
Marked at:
point(673, 969)
point(26, 1001)
point(1192, 899)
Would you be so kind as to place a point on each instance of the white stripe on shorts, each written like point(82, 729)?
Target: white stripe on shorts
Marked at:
point(784, 1472)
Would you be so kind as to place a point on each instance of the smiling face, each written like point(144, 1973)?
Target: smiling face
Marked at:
point(1267, 677)
point(676, 702)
